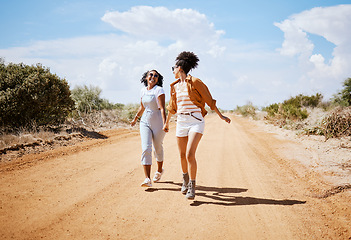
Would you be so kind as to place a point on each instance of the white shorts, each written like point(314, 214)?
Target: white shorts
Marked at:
point(187, 124)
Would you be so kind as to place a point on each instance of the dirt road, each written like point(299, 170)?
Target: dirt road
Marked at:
point(246, 189)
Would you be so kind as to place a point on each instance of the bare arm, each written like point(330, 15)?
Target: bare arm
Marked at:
point(227, 119)
point(166, 124)
point(139, 113)
point(161, 103)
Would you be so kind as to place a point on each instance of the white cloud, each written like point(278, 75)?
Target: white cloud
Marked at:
point(234, 71)
point(333, 24)
point(296, 41)
point(116, 62)
point(160, 22)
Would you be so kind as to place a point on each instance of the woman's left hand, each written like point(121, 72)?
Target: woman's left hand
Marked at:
point(227, 119)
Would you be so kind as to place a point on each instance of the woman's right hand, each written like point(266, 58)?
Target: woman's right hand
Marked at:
point(132, 123)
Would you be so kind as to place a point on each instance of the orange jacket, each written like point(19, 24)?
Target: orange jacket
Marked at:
point(198, 94)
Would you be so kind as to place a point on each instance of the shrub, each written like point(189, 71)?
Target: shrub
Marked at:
point(286, 111)
point(292, 112)
point(89, 106)
point(247, 110)
point(128, 112)
point(87, 99)
point(343, 98)
point(304, 101)
point(32, 96)
point(293, 108)
point(272, 109)
point(338, 123)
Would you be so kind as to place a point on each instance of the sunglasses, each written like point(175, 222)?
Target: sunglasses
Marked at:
point(153, 75)
point(174, 67)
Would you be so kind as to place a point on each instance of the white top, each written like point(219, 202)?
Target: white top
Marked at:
point(156, 90)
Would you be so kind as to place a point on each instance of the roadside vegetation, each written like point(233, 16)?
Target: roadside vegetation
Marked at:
point(37, 107)
point(308, 114)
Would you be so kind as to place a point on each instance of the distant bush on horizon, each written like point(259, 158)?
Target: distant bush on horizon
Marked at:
point(87, 99)
point(293, 108)
point(248, 110)
point(90, 107)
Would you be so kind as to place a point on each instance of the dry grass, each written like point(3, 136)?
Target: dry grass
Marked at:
point(93, 122)
point(332, 123)
point(338, 123)
point(24, 137)
point(105, 119)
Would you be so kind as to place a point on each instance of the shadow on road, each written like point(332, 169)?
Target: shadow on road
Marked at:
point(87, 133)
point(216, 196)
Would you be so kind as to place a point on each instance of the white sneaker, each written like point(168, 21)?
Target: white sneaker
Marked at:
point(158, 175)
point(147, 183)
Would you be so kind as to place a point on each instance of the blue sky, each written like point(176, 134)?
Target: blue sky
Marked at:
point(258, 51)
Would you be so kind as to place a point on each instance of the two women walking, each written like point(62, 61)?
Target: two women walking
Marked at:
point(188, 98)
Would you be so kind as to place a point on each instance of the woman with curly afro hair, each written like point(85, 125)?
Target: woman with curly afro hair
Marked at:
point(188, 98)
point(153, 117)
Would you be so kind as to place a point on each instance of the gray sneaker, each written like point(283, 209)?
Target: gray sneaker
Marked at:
point(191, 190)
point(185, 183)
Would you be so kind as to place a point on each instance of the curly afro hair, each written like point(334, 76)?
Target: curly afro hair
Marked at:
point(160, 78)
point(187, 61)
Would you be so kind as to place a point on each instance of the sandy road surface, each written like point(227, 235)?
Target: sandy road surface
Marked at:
point(246, 189)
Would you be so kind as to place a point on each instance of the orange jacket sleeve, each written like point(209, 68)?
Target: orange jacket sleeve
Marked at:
point(204, 92)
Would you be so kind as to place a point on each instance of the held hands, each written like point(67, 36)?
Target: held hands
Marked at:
point(166, 127)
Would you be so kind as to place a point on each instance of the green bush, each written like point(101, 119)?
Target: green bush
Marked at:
point(286, 111)
point(246, 110)
point(304, 101)
point(87, 100)
point(343, 98)
point(293, 108)
point(31, 95)
point(272, 110)
point(290, 111)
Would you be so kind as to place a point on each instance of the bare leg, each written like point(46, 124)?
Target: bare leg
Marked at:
point(182, 144)
point(158, 147)
point(147, 170)
point(159, 166)
point(193, 142)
